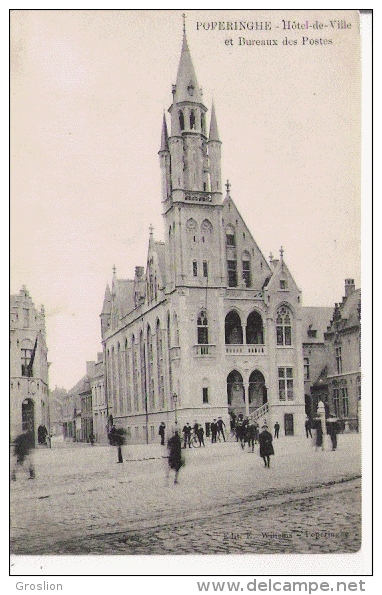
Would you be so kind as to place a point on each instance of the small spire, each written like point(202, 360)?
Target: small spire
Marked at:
point(164, 136)
point(228, 187)
point(214, 133)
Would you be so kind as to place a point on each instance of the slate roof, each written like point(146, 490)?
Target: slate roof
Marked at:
point(318, 319)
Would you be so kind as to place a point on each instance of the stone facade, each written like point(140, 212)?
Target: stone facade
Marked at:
point(343, 345)
point(209, 327)
point(29, 395)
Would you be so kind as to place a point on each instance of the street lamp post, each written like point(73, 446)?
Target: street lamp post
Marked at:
point(175, 399)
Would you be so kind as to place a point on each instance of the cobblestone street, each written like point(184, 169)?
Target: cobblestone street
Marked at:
point(83, 502)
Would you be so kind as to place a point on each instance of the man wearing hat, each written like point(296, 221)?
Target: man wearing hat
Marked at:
point(266, 447)
point(161, 432)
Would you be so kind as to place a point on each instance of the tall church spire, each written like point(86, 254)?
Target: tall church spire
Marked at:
point(187, 87)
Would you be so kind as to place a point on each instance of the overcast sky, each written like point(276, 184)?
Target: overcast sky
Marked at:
point(88, 90)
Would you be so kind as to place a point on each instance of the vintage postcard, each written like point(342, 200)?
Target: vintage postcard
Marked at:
point(186, 292)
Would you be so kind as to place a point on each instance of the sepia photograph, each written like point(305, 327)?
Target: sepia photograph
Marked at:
point(185, 271)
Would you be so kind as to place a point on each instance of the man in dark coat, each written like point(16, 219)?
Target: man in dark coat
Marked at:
point(161, 432)
point(24, 443)
point(200, 435)
point(308, 427)
point(266, 447)
point(277, 429)
point(220, 423)
point(240, 430)
point(175, 460)
point(333, 429)
point(214, 431)
point(187, 435)
point(251, 434)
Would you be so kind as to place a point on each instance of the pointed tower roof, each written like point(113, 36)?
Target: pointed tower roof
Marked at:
point(164, 137)
point(187, 87)
point(106, 309)
point(214, 133)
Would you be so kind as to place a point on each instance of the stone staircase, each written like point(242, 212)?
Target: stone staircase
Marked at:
point(259, 412)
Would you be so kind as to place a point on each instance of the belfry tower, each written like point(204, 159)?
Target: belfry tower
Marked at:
point(191, 183)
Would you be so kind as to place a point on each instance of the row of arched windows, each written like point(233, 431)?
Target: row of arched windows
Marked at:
point(254, 328)
point(196, 233)
point(190, 120)
point(136, 370)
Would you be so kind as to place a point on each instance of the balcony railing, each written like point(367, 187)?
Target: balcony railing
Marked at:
point(245, 350)
point(204, 350)
point(198, 196)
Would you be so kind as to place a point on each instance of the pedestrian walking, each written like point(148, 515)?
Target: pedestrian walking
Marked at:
point(232, 424)
point(117, 438)
point(308, 427)
point(251, 435)
point(220, 424)
point(187, 435)
point(333, 429)
point(240, 430)
point(266, 446)
point(319, 437)
point(200, 435)
point(214, 430)
point(277, 429)
point(175, 459)
point(23, 445)
point(161, 432)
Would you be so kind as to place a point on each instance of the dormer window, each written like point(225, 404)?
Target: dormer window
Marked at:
point(283, 284)
point(190, 89)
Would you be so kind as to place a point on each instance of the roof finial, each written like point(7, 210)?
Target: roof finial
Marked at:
point(114, 270)
point(151, 229)
point(281, 252)
point(228, 186)
point(270, 257)
point(184, 23)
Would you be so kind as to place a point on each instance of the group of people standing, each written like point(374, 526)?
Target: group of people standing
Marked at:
point(332, 429)
point(246, 431)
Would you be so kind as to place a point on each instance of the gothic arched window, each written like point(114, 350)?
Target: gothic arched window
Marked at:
point(181, 120)
point(202, 325)
point(284, 326)
point(233, 329)
point(206, 229)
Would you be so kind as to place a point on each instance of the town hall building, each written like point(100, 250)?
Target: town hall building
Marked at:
point(209, 327)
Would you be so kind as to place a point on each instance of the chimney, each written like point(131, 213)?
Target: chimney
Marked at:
point(349, 287)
